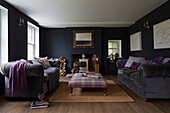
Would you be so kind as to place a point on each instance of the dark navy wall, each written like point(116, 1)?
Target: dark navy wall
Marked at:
point(59, 42)
point(114, 34)
point(160, 14)
point(17, 35)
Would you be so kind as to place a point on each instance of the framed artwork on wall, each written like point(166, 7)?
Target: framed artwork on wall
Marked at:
point(162, 35)
point(136, 42)
point(83, 39)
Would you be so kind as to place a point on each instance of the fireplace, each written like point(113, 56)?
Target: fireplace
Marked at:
point(84, 65)
point(87, 62)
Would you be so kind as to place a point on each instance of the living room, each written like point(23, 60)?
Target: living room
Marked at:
point(56, 42)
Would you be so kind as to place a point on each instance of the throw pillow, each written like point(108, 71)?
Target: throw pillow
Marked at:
point(134, 65)
point(44, 61)
point(54, 63)
point(166, 60)
point(157, 60)
point(133, 59)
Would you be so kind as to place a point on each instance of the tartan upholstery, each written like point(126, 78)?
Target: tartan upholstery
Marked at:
point(79, 81)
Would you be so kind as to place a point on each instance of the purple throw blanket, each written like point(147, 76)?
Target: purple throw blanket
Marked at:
point(17, 77)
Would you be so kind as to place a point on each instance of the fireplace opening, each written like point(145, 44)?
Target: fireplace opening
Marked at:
point(83, 64)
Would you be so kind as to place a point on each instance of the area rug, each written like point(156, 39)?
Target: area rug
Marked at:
point(114, 94)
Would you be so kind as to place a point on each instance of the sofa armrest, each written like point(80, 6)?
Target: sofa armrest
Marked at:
point(4, 69)
point(35, 70)
point(121, 63)
point(155, 70)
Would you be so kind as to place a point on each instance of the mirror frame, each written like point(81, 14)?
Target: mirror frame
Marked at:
point(83, 46)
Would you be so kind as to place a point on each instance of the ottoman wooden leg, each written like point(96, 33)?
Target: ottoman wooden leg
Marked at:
point(105, 91)
point(71, 91)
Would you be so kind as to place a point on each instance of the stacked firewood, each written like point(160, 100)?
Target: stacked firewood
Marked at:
point(62, 67)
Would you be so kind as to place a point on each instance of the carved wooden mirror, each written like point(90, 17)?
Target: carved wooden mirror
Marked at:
point(83, 39)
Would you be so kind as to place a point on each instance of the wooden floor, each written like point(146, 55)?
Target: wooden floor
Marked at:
point(139, 106)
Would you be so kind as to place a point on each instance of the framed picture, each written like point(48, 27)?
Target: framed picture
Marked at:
point(162, 35)
point(83, 39)
point(136, 42)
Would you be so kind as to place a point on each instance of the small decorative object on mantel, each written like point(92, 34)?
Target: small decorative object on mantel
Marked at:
point(83, 56)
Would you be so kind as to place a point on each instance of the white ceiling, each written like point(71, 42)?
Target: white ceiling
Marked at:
point(86, 13)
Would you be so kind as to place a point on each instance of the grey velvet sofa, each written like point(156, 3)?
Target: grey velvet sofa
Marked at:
point(149, 81)
point(39, 80)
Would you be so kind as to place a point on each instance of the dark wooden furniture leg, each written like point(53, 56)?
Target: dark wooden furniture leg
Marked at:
point(71, 91)
point(105, 91)
point(146, 99)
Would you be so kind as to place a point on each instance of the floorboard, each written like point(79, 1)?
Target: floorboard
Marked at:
point(139, 106)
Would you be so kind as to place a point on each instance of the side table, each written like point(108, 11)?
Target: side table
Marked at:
point(114, 64)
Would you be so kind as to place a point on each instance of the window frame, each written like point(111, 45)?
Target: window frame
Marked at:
point(35, 43)
point(119, 48)
point(3, 35)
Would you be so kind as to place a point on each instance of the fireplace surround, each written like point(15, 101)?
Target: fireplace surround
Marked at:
point(84, 65)
point(90, 66)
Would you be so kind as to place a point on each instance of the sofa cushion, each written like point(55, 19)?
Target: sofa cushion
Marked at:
point(134, 65)
point(133, 59)
point(53, 77)
point(50, 70)
point(128, 71)
point(157, 60)
point(54, 63)
point(44, 61)
point(166, 60)
point(132, 74)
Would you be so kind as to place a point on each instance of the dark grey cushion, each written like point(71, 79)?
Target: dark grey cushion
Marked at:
point(54, 63)
point(50, 70)
point(132, 74)
point(121, 63)
point(156, 70)
point(53, 76)
point(127, 71)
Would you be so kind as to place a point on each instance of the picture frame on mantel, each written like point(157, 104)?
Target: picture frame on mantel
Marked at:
point(83, 39)
point(162, 35)
point(136, 42)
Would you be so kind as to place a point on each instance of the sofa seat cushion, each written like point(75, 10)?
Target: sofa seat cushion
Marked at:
point(132, 74)
point(50, 70)
point(53, 76)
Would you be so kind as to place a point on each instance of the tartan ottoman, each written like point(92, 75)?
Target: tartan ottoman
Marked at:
point(80, 81)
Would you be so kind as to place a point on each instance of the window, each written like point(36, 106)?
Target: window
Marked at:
point(114, 46)
point(32, 41)
point(3, 35)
